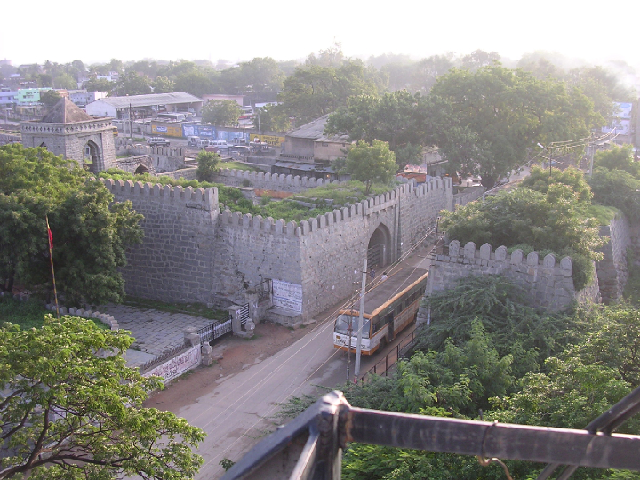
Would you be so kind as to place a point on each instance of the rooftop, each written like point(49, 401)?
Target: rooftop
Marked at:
point(65, 111)
point(315, 131)
point(150, 99)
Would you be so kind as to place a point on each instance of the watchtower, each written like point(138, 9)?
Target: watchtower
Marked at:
point(68, 131)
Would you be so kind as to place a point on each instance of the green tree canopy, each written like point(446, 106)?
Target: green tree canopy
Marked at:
point(99, 85)
point(553, 223)
point(132, 84)
point(207, 166)
point(221, 112)
point(163, 85)
point(540, 179)
point(271, 118)
point(498, 115)
point(371, 163)
point(90, 232)
point(313, 90)
point(49, 97)
point(67, 413)
point(618, 158)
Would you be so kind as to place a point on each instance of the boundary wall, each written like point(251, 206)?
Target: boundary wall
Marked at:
point(175, 261)
point(549, 285)
point(612, 270)
point(270, 181)
point(193, 252)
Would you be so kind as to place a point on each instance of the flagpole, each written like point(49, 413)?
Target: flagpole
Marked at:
point(53, 276)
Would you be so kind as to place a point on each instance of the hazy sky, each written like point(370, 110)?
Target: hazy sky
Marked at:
point(287, 29)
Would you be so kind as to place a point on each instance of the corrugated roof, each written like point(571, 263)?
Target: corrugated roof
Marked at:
point(315, 131)
point(150, 99)
point(65, 111)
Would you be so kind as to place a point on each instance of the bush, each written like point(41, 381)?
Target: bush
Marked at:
point(207, 165)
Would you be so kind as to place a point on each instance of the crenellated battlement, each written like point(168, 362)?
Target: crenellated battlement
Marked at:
point(485, 256)
point(548, 283)
point(200, 198)
point(272, 181)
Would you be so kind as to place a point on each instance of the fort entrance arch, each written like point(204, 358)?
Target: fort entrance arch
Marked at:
point(68, 131)
point(91, 158)
point(379, 248)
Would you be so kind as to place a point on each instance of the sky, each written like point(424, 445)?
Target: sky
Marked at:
point(289, 30)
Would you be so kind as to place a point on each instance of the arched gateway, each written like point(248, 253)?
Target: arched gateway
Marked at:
point(68, 131)
point(379, 248)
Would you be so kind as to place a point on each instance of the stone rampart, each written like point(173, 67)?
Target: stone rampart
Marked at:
point(612, 270)
point(269, 181)
point(192, 252)
point(176, 259)
point(549, 285)
point(164, 159)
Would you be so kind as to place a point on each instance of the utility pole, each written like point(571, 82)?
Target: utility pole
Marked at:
point(360, 320)
point(130, 121)
point(349, 332)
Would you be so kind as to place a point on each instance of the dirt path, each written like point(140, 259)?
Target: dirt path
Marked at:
point(237, 355)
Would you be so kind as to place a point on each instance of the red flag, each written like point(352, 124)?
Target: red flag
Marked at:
point(50, 234)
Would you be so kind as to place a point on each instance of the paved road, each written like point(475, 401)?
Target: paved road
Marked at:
point(239, 410)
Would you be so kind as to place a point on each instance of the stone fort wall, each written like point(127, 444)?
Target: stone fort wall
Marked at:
point(612, 270)
point(192, 252)
point(176, 259)
point(548, 284)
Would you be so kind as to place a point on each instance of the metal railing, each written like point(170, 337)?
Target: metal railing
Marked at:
point(310, 447)
point(384, 366)
point(213, 331)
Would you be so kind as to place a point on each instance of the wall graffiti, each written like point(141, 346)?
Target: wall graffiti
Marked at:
point(178, 365)
point(287, 295)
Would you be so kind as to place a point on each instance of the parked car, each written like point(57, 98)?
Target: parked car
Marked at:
point(158, 142)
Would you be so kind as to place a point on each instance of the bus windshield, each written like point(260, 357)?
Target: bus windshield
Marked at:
point(342, 325)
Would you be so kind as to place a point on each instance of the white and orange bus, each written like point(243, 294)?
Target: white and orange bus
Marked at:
point(388, 309)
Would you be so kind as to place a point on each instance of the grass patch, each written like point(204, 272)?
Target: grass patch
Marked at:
point(195, 309)
point(238, 166)
point(29, 314)
point(603, 214)
point(632, 289)
point(325, 199)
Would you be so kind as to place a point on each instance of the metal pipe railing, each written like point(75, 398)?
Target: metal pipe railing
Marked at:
point(310, 447)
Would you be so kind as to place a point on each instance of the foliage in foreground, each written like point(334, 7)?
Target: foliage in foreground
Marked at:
point(596, 368)
point(554, 221)
point(67, 413)
point(90, 232)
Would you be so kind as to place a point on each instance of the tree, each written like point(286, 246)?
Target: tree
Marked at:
point(163, 85)
point(618, 158)
point(313, 91)
point(479, 59)
point(428, 70)
point(194, 82)
point(271, 118)
point(260, 75)
point(221, 112)
point(132, 84)
point(65, 80)
point(49, 97)
point(371, 163)
point(207, 166)
point(498, 115)
point(99, 85)
point(399, 118)
point(68, 413)
point(553, 223)
point(540, 179)
point(90, 231)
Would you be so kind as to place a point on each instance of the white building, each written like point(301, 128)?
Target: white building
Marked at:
point(119, 107)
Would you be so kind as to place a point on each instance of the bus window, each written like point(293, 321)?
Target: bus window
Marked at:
point(342, 324)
